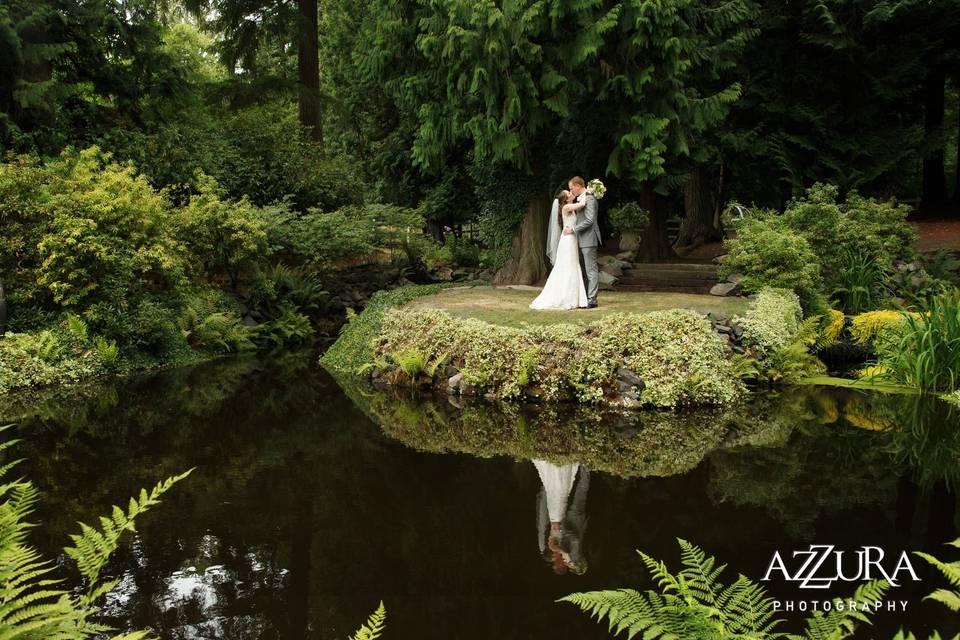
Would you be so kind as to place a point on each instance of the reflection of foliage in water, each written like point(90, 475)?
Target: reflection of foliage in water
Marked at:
point(877, 434)
point(924, 435)
point(643, 444)
point(624, 443)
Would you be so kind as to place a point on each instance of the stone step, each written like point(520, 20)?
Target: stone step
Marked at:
point(707, 270)
point(685, 278)
point(663, 286)
point(647, 278)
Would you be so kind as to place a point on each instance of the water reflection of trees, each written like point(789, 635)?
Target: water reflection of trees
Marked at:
point(855, 450)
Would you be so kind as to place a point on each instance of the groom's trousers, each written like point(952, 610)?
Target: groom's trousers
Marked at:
point(591, 272)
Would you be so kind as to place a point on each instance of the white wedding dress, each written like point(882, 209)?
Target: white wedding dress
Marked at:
point(564, 288)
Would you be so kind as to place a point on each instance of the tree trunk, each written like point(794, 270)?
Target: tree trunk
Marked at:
point(655, 239)
point(3, 311)
point(308, 67)
point(956, 169)
point(698, 222)
point(934, 180)
point(528, 262)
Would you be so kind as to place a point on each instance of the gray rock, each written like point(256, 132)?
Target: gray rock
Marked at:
point(735, 278)
point(722, 328)
point(455, 383)
point(607, 280)
point(625, 255)
point(613, 268)
point(451, 370)
point(630, 377)
point(724, 289)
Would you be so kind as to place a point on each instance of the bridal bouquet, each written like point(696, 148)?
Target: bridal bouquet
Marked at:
point(597, 188)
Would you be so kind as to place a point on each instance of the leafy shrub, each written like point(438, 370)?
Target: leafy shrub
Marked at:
point(877, 232)
point(28, 360)
point(83, 229)
point(453, 252)
point(670, 348)
point(924, 350)
point(352, 233)
point(767, 255)
point(267, 158)
point(629, 217)
point(775, 330)
point(771, 321)
point(33, 605)
point(869, 326)
point(222, 237)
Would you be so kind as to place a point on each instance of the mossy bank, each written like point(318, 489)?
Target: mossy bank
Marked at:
point(664, 358)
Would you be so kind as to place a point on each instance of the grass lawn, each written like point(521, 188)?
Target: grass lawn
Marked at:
point(509, 305)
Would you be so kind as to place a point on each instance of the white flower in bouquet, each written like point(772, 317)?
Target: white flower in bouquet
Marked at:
point(597, 188)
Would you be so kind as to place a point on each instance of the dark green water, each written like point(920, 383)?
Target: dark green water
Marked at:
point(311, 502)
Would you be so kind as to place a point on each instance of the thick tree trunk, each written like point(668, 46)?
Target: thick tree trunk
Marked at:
point(528, 262)
point(934, 180)
point(308, 67)
point(655, 239)
point(699, 200)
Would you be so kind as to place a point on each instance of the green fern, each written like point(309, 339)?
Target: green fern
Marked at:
point(374, 626)
point(693, 603)
point(33, 606)
point(77, 327)
point(839, 624)
point(950, 570)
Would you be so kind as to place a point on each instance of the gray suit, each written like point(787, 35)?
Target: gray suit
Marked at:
point(588, 238)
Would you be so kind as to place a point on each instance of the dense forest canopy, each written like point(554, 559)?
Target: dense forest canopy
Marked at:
point(475, 111)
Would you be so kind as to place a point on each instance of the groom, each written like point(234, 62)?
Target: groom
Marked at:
point(588, 237)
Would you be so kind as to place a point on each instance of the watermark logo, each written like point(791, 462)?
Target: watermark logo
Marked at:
point(821, 565)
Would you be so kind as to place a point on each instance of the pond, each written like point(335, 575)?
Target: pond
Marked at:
point(312, 500)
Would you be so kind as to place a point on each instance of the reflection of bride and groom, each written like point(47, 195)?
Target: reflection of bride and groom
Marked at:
point(562, 515)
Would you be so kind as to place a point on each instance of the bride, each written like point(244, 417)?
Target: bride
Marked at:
point(564, 288)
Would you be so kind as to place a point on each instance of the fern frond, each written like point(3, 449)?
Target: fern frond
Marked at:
point(92, 547)
point(374, 626)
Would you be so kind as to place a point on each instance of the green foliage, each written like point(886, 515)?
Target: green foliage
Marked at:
point(454, 252)
point(860, 284)
point(629, 217)
point(43, 358)
point(355, 346)
point(352, 234)
point(771, 321)
point(767, 255)
point(924, 350)
point(412, 362)
point(668, 348)
point(289, 328)
point(32, 605)
point(374, 626)
point(277, 287)
point(223, 237)
point(221, 332)
point(693, 603)
point(775, 331)
point(820, 245)
point(951, 571)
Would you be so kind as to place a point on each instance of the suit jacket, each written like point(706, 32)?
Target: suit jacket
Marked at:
point(587, 226)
